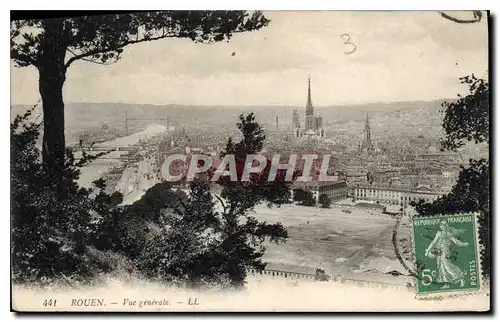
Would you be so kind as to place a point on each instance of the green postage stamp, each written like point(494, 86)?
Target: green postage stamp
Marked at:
point(446, 254)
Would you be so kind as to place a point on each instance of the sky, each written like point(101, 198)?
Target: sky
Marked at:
point(399, 56)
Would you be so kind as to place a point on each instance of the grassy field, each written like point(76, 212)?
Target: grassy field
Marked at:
point(329, 238)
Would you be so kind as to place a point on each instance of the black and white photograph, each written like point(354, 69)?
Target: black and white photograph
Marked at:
point(250, 161)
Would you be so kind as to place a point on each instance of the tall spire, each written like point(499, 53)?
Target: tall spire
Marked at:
point(309, 87)
point(309, 106)
point(367, 130)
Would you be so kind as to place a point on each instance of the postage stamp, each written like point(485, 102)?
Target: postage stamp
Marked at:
point(446, 255)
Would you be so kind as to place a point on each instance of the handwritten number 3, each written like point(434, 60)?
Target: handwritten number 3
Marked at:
point(347, 41)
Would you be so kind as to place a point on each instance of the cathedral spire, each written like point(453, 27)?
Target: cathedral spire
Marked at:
point(309, 87)
point(309, 106)
point(367, 131)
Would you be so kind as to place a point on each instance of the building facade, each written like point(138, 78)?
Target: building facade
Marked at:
point(335, 190)
point(394, 194)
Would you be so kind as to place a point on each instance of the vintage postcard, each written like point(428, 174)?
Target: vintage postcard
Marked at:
point(247, 161)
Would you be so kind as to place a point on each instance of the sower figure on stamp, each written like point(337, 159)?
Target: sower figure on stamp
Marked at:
point(440, 246)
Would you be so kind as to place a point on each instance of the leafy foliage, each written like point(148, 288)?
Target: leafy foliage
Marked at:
point(101, 39)
point(49, 238)
point(304, 197)
point(467, 119)
point(247, 194)
point(179, 236)
point(242, 235)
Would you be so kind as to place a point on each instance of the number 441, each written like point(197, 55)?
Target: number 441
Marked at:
point(49, 302)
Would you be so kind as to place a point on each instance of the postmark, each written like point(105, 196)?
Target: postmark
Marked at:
point(446, 253)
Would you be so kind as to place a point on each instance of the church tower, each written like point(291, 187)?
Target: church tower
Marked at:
point(367, 136)
point(367, 145)
point(295, 120)
point(309, 109)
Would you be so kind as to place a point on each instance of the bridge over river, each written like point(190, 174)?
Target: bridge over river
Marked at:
point(119, 147)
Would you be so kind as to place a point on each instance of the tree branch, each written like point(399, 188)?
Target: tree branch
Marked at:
point(99, 62)
point(103, 50)
point(130, 42)
point(222, 203)
point(92, 61)
point(22, 59)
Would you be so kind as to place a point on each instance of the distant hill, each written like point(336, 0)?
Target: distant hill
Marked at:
point(404, 116)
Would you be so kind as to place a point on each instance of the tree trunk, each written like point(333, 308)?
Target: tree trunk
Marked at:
point(53, 120)
point(52, 74)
